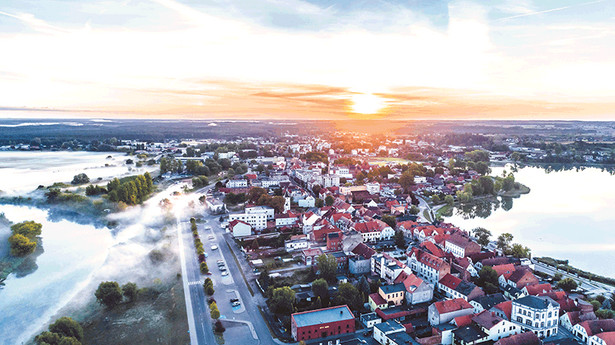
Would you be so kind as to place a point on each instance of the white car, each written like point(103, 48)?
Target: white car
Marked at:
point(224, 273)
point(214, 247)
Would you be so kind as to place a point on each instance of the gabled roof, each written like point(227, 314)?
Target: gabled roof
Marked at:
point(536, 289)
point(412, 282)
point(580, 316)
point(489, 301)
point(452, 305)
point(487, 319)
point(461, 241)
point(465, 288)
point(450, 281)
point(505, 307)
point(387, 289)
point(537, 302)
point(464, 320)
point(608, 337)
point(364, 251)
point(428, 259)
point(433, 249)
point(506, 270)
point(527, 338)
point(520, 274)
point(469, 334)
point(377, 298)
point(237, 221)
point(593, 327)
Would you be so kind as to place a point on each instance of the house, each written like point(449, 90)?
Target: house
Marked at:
point(369, 320)
point(307, 202)
point(374, 230)
point(537, 289)
point(461, 246)
point(526, 338)
point(428, 266)
point(445, 311)
point(454, 287)
point(321, 323)
point(391, 295)
point(417, 290)
point(239, 228)
point(308, 220)
point(537, 314)
point(334, 241)
point(286, 219)
point(521, 277)
point(587, 330)
point(360, 262)
point(392, 333)
point(387, 267)
point(494, 326)
point(504, 272)
point(237, 183)
point(296, 242)
point(268, 211)
point(570, 319)
point(258, 220)
point(487, 302)
point(309, 256)
point(604, 338)
point(503, 310)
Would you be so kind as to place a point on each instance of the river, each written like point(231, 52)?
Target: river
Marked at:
point(568, 215)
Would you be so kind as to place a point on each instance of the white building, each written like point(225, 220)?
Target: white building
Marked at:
point(257, 220)
point(237, 184)
point(269, 211)
point(373, 187)
point(537, 314)
point(240, 228)
point(309, 201)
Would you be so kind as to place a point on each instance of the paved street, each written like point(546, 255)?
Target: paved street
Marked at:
point(244, 325)
point(592, 287)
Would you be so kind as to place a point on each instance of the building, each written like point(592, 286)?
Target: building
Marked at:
point(392, 333)
point(588, 330)
point(237, 184)
point(461, 246)
point(536, 314)
point(428, 266)
point(239, 228)
point(269, 211)
point(487, 302)
point(454, 287)
point(309, 256)
point(297, 242)
point(258, 220)
point(369, 320)
point(444, 311)
point(527, 338)
point(570, 319)
point(417, 290)
point(334, 241)
point(387, 267)
point(321, 323)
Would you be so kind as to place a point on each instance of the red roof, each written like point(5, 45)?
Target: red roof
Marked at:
point(433, 249)
point(237, 221)
point(364, 251)
point(377, 298)
point(527, 338)
point(452, 305)
point(598, 326)
point(538, 288)
point(464, 320)
point(608, 337)
point(506, 270)
point(505, 307)
point(450, 281)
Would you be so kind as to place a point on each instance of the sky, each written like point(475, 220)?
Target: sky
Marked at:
point(308, 59)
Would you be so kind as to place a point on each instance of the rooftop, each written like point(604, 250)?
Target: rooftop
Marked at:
point(536, 302)
point(390, 327)
point(320, 316)
point(387, 289)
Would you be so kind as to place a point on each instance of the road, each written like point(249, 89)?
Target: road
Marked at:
point(592, 287)
point(245, 324)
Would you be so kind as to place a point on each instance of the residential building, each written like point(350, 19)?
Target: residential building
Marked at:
point(587, 330)
point(268, 211)
point(444, 311)
point(454, 287)
point(526, 338)
point(297, 242)
point(392, 333)
point(321, 323)
point(428, 266)
point(461, 246)
point(309, 256)
point(258, 221)
point(537, 314)
point(570, 319)
point(239, 228)
point(487, 302)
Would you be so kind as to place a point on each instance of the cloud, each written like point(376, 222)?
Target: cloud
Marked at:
point(526, 12)
point(35, 23)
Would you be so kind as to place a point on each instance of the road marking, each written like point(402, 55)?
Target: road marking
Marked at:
point(196, 283)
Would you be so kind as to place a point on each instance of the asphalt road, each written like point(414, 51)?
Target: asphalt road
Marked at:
point(245, 324)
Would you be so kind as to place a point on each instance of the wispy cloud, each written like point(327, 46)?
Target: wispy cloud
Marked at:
point(527, 13)
point(35, 23)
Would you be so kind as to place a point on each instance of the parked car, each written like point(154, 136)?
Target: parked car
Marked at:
point(224, 273)
point(214, 247)
point(236, 304)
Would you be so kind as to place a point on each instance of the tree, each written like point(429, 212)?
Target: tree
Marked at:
point(329, 200)
point(109, 294)
point(390, 220)
point(400, 241)
point(567, 284)
point(414, 210)
point(130, 291)
point(21, 245)
point(282, 300)
point(604, 313)
point(80, 179)
point(67, 327)
point(219, 328)
point(482, 235)
point(327, 265)
point(596, 304)
point(29, 229)
point(504, 241)
point(520, 251)
point(449, 200)
point(214, 312)
point(349, 295)
point(320, 288)
point(208, 286)
point(435, 199)
point(316, 189)
point(363, 286)
point(406, 180)
point(319, 203)
point(488, 275)
point(204, 268)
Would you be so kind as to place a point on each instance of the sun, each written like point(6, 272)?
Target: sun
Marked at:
point(367, 103)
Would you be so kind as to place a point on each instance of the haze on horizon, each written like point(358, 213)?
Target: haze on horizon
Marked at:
point(308, 59)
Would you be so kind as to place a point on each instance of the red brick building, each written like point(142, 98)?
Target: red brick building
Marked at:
point(322, 323)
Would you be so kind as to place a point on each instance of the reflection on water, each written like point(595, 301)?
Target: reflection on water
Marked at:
point(71, 253)
point(482, 208)
point(567, 214)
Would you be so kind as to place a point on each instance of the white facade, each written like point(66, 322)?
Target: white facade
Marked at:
point(241, 229)
point(309, 201)
point(261, 209)
point(237, 184)
point(373, 187)
point(257, 220)
point(535, 314)
point(292, 245)
point(454, 249)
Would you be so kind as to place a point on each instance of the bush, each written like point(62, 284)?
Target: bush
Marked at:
point(65, 331)
point(130, 291)
point(208, 286)
point(21, 245)
point(204, 268)
point(214, 312)
point(80, 179)
point(109, 294)
point(219, 327)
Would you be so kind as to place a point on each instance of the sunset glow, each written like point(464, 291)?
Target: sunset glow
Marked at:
point(305, 58)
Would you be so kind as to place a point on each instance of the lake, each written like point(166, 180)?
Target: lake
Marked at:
point(567, 215)
point(23, 171)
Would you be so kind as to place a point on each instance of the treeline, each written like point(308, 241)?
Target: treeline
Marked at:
point(196, 167)
point(64, 331)
point(133, 191)
point(23, 238)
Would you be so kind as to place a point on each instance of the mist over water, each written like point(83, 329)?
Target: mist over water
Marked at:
point(78, 257)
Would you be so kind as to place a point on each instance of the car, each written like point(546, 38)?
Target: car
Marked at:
point(224, 273)
point(222, 268)
point(214, 247)
point(210, 237)
point(234, 300)
point(220, 261)
point(205, 254)
point(236, 304)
